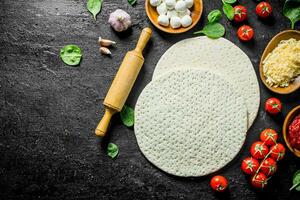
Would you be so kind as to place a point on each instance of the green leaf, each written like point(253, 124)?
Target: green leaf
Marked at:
point(214, 16)
point(94, 6)
point(229, 1)
point(291, 9)
point(213, 30)
point(127, 116)
point(132, 2)
point(71, 54)
point(112, 150)
point(296, 181)
point(228, 11)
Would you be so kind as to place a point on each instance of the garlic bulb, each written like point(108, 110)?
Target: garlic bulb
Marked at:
point(162, 9)
point(170, 4)
point(186, 21)
point(180, 6)
point(163, 20)
point(155, 2)
point(172, 13)
point(119, 20)
point(175, 22)
point(189, 3)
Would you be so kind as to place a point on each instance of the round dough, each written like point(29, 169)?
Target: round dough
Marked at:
point(220, 56)
point(190, 122)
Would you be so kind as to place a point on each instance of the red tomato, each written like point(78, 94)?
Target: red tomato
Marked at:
point(240, 13)
point(273, 106)
point(277, 151)
point(268, 166)
point(259, 150)
point(263, 9)
point(269, 137)
point(250, 165)
point(259, 180)
point(245, 33)
point(219, 183)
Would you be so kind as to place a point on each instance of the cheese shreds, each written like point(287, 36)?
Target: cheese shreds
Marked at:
point(282, 65)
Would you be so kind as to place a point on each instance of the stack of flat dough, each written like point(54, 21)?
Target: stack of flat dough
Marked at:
point(192, 118)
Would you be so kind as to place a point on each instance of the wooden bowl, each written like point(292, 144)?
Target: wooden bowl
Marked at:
point(284, 35)
point(196, 12)
point(288, 120)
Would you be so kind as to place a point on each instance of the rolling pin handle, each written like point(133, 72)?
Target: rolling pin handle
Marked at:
point(143, 40)
point(104, 123)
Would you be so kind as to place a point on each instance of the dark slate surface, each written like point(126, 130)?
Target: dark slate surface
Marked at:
point(48, 111)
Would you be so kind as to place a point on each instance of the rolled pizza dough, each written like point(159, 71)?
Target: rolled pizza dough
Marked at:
point(220, 56)
point(190, 122)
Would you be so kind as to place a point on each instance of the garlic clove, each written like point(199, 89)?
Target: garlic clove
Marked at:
point(104, 50)
point(105, 42)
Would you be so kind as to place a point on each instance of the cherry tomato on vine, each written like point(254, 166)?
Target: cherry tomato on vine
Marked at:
point(263, 9)
point(277, 151)
point(240, 13)
point(219, 183)
point(250, 165)
point(259, 180)
point(245, 33)
point(269, 137)
point(259, 150)
point(268, 166)
point(273, 106)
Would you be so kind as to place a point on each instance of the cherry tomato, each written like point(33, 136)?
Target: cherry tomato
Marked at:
point(259, 180)
point(273, 106)
point(250, 165)
point(245, 33)
point(269, 137)
point(277, 151)
point(268, 166)
point(219, 183)
point(259, 150)
point(240, 13)
point(263, 9)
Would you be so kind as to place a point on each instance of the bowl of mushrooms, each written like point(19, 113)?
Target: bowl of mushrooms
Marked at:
point(174, 16)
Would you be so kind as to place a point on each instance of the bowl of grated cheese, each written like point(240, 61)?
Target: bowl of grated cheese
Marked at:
point(280, 63)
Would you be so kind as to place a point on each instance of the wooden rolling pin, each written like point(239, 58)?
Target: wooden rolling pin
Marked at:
point(123, 82)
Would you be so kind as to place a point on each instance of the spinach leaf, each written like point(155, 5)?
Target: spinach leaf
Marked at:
point(229, 1)
point(291, 9)
point(112, 150)
point(214, 16)
point(94, 6)
point(228, 11)
point(212, 30)
point(132, 2)
point(127, 116)
point(296, 181)
point(71, 54)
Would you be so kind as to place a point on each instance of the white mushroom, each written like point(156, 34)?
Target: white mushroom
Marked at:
point(155, 2)
point(186, 21)
point(172, 13)
point(189, 3)
point(162, 9)
point(170, 4)
point(163, 20)
point(180, 6)
point(175, 22)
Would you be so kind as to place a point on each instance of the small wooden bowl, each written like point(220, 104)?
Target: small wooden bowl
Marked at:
point(288, 120)
point(284, 35)
point(196, 12)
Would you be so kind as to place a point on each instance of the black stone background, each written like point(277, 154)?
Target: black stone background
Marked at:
point(48, 111)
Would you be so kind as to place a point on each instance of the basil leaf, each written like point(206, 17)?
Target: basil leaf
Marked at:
point(71, 54)
point(94, 6)
point(229, 1)
point(296, 181)
point(127, 116)
point(112, 150)
point(213, 30)
point(132, 2)
point(291, 9)
point(214, 16)
point(228, 11)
